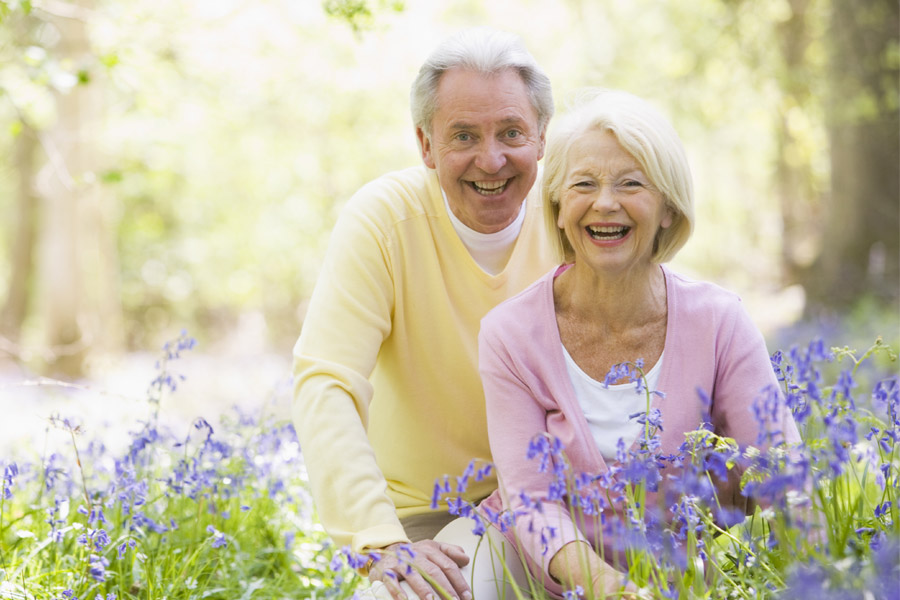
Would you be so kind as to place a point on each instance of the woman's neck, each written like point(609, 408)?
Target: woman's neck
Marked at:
point(620, 301)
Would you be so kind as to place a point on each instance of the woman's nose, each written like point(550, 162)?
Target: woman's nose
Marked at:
point(606, 200)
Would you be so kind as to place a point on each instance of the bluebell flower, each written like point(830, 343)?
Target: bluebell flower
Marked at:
point(547, 533)
point(728, 517)
point(578, 592)
point(767, 409)
point(353, 560)
point(218, 538)
point(620, 450)
point(479, 529)
point(843, 388)
point(101, 539)
point(441, 486)
point(10, 472)
point(706, 404)
point(883, 509)
point(97, 567)
point(337, 564)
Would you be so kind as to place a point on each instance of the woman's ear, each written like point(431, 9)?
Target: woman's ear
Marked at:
point(668, 217)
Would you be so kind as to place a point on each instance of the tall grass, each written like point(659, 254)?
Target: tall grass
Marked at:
point(178, 514)
point(826, 518)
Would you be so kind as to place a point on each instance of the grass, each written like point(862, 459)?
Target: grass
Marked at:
point(196, 512)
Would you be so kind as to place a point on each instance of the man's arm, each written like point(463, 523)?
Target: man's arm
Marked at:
point(349, 317)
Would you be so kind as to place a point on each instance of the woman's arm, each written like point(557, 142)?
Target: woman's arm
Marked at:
point(577, 565)
point(517, 415)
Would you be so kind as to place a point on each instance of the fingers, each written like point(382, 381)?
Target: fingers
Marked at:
point(392, 585)
point(456, 553)
point(431, 572)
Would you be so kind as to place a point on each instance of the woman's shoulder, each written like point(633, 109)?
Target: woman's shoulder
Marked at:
point(698, 295)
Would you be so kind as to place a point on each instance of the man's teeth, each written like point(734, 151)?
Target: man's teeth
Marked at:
point(607, 233)
point(489, 188)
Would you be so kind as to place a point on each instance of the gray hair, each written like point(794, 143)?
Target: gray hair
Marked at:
point(645, 134)
point(485, 51)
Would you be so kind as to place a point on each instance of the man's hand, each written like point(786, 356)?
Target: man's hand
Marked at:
point(440, 562)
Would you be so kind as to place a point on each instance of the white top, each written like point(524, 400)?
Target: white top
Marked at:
point(607, 409)
point(490, 250)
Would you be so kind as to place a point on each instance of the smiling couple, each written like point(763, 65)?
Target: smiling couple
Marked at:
point(480, 303)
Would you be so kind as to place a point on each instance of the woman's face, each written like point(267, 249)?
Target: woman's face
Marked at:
point(609, 210)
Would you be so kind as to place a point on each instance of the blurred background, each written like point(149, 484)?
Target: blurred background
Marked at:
point(178, 165)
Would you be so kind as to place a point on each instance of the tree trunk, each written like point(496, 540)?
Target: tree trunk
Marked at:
point(24, 234)
point(861, 247)
point(794, 179)
point(80, 308)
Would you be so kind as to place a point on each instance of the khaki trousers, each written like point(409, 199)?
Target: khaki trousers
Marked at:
point(484, 573)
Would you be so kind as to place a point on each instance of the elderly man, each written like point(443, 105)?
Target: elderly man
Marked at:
point(387, 392)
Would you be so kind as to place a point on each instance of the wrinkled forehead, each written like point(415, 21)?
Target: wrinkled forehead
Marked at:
point(462, 92)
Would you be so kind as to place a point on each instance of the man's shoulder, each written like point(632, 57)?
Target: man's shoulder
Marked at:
point(525, 305)
point(398, 194)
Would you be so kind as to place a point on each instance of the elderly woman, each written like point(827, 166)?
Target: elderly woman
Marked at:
point(618, 187)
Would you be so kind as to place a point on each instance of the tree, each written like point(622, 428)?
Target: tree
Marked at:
point(59, 204)
point(861, 245)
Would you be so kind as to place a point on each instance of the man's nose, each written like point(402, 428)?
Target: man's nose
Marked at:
point(491, 156)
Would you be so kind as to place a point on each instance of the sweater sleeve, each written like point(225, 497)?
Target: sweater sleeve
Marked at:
point(747, 396)
point(348, 318)
point(517, 416)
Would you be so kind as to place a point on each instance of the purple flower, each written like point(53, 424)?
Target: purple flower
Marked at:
point(218, 538)
point(844, 387)
point(578, 592)
point(337, 564)
point(883, 509)
point(10, 472)
point(97, 567)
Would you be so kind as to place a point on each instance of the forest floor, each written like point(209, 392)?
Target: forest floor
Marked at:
point(114, 401)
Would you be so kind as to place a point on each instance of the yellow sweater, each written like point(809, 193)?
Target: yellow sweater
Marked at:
point(387, 395)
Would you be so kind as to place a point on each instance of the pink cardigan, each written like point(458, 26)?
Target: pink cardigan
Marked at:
point(711, 343)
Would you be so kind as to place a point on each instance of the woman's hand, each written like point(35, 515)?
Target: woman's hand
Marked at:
point(576, 565)
point(608, 583)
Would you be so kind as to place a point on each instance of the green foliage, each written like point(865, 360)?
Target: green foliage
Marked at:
point(230, 134)
point(358, 13)
point(177, 514)
point(826, 519)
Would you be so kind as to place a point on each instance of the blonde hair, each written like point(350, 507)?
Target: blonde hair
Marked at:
point(645, 134)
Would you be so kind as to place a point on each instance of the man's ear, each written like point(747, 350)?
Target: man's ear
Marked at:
point(425, 148)
point(542, 144)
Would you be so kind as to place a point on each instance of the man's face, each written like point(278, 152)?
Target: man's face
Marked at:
point(485, 143)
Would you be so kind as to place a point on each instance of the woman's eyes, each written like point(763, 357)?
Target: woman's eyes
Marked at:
point(627, 184)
